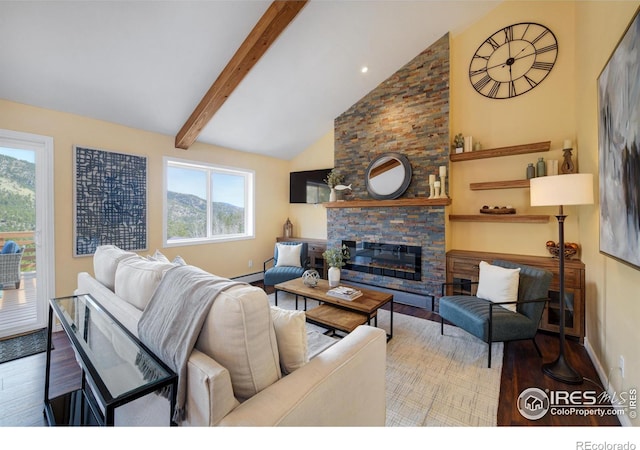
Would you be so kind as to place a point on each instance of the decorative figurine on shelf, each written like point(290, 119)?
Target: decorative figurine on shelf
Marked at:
point(571, 249)
point(333, 179)
point(567, 164)
point(443, 182)
point(287, 229)
point(432, 182)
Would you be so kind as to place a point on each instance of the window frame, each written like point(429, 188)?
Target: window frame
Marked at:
point(210, 168)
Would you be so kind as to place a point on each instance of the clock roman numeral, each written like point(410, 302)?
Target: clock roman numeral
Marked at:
point(548, 48)
point(508, 34)
point(543, 34)
point(542, 65)
point(531, 82)
point(486, 58)
point(512, 89)
point(482, 82)
point(492, 43)
point(477, 72)
point(493, 92)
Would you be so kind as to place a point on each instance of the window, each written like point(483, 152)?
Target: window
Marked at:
point(205, 203)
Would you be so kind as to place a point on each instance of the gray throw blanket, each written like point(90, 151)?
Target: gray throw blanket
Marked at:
point(171, 322)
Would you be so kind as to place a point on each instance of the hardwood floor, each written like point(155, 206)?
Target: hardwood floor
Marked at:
point(22, 380)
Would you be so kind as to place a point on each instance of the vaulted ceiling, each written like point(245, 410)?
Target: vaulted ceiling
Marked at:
point(148, 64)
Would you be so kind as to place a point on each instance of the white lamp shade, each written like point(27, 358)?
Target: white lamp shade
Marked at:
point(567, 189)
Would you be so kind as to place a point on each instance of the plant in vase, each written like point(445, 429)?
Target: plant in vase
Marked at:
point(335, 258)
point(333, 179)
point(458, 142)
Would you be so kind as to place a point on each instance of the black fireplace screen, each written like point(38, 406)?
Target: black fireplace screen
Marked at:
point(392, 260)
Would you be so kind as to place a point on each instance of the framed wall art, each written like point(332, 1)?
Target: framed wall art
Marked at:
point(110, 200)
point(619, 149)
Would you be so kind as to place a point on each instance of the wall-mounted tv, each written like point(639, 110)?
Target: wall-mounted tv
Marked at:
point(309, 186)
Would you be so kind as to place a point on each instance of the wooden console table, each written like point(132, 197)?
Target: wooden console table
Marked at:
point(462, 265)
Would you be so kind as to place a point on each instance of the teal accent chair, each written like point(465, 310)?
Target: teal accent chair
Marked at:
point(491, 322)
point(279, 274)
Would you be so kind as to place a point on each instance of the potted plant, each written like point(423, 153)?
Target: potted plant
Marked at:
point(458, 143)
point(333, 179)
point(335, 258)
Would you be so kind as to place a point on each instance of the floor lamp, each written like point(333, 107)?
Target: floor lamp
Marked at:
point(562, 190)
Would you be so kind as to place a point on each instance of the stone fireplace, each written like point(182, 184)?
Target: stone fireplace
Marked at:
point(408, 114)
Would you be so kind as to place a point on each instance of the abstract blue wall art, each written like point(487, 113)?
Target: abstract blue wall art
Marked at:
point(619, 149)
point(110, 200)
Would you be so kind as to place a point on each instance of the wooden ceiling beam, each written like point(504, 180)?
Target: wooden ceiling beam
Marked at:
point(269, 27)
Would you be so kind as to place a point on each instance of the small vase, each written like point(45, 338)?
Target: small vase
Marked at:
point(541, 168)
point(334, 276)
point(531, 171)
point(332, 195)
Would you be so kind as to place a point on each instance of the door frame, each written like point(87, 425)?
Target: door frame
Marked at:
point(44, 235)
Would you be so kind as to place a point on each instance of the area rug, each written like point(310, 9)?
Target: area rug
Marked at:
point(434, 379)
point(21, 346)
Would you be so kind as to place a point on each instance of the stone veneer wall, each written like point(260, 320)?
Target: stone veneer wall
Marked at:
point(409, 114)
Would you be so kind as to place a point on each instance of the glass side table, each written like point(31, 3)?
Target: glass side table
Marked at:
point(116, 367)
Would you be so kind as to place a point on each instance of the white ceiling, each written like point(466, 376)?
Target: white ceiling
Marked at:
point(147, 64)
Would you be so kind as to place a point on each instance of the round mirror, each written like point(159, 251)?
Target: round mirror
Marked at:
point(388, 176)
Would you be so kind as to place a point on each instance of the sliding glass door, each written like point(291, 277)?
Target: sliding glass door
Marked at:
point(26, 224)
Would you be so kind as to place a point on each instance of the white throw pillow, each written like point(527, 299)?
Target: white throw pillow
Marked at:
point(137, 280)
point(289, 255)
point(291, 334)
point(105, 262)
point(158, 256)
point(498, 284)
point(238, 333)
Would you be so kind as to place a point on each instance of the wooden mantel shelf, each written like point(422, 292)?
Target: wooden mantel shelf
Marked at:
point(502, 151)
point(517, 218)
point(418, 201)
point(499, 185)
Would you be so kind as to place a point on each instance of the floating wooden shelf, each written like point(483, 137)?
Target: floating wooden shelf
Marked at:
point(499, 185)
point(418, 201)
point(516, 218)
point(502, 151)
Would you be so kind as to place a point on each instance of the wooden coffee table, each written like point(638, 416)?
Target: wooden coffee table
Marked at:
point(335, 313)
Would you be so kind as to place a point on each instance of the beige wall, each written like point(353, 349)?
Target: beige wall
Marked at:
point(563, 106)
point(226, 259)
point(613, 299)
point(547, 113)
point(310, 221)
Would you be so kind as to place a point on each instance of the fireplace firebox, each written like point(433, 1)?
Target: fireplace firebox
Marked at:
point(391, 260)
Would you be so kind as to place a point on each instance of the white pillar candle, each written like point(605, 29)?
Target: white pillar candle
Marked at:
point(437, 184)
point(432, 179)
point(443, 171)
point(567, 144)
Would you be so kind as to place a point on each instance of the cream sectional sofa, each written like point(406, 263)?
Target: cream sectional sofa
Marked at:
point(235, 373)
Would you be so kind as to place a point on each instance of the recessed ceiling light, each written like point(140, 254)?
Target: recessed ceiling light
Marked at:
point(364, 69)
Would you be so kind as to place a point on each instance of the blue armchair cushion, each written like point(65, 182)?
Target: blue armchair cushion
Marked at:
point(10, 247)
point(472, 314)
point(277, 275)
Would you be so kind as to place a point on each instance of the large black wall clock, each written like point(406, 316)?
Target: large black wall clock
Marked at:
point(513, 60)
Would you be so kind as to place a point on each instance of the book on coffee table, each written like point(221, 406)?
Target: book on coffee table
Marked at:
point(344, 293)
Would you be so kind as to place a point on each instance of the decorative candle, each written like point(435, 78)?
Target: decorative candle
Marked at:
point(432, 179)
point(443, 171)
point(437, 184)
point(567, 144)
